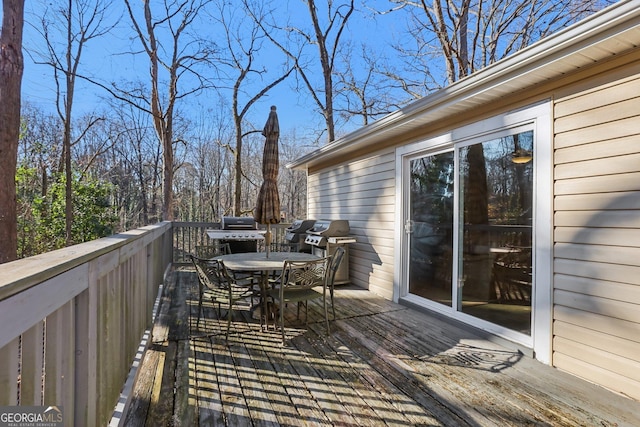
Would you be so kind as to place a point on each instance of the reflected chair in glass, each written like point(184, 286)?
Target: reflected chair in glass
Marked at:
point(215, 281)
point(336, 260)
point(299, 282)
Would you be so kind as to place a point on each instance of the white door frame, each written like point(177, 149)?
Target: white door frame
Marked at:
point(538, 118)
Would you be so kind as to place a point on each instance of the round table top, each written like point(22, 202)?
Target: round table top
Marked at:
point(258, 261)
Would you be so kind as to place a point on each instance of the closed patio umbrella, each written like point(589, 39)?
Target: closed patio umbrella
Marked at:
point(268, 204)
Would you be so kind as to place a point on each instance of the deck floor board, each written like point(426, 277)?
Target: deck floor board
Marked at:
point(383, 364)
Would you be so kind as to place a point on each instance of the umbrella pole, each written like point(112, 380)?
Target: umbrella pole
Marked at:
point(268, 239)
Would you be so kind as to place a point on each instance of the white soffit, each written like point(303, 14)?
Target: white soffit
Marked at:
point(612, 31)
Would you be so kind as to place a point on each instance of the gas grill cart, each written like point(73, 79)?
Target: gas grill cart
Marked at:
point(325, 237)
point(241, 233)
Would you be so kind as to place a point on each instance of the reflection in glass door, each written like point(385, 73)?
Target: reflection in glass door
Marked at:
point(493, 217)
point(496, 205)
point(430, 226)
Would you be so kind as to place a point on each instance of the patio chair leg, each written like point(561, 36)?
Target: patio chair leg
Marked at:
point(229, 314)
point(326, 316)
point(264, 314)
point(199, 314)
point(281, 325)
point(333, 307)
point(199, 306)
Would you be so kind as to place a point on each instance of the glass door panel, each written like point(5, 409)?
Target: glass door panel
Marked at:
point(430, 227)
point(496, 205)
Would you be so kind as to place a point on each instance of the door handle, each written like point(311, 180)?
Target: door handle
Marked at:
point(408, 226)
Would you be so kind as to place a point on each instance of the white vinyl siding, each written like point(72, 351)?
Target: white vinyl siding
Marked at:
point(589, 297)
point(597, 235)
point(362, 192)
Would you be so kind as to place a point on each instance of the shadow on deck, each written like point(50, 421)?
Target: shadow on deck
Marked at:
point(383, 364)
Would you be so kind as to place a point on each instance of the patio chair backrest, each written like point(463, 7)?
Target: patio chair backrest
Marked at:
point(212, 273)
point(305, 274)
point(215, 280)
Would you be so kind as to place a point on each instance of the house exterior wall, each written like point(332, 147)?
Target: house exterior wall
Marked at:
point(361, 191)
point(596, 330)
point(596, 217)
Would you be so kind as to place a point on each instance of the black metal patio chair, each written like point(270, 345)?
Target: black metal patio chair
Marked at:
point(215, 281)
point(299, 282)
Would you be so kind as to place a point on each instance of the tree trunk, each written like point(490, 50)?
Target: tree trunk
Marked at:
point(463, 56)
point(68, 102)
point(167, 183)
point(440, 29)
point(237, 196)
point(11, 67)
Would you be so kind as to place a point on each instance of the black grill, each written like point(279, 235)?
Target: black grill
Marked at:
point(325, 237)
point(296, 234)
point(243, 242)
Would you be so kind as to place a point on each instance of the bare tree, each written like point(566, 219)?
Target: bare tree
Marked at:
point(11, 67)
point(367, 92)
point(174, 56)
point(137, 160)
point(243, 45)
point(214, 161)
point(292, 182)
point(91, 150)
point(66, 39)
point(40, 144)
point(327, 39)
point(464, 36)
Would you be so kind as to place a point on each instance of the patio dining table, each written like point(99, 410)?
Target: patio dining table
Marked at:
point(258, 262)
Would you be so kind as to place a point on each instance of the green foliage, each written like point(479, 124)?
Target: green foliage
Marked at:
point(41, 217)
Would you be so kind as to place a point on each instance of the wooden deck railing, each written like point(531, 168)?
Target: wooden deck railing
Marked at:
point(188, 235)
point(71, 321)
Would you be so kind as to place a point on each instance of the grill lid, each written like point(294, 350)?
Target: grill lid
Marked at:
point(300, 226)
point(327, 228)
point(239, 223)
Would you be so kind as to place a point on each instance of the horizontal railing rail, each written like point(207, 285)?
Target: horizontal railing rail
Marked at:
point(187, 236)
point(71, 321)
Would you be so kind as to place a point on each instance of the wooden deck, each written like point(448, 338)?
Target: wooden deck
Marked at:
point(383, 364)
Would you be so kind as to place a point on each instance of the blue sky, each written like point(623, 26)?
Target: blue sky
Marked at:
point(103, 58)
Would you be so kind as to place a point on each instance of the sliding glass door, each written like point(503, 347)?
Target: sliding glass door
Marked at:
point(495, 230)
point(468, 222)
point(430, 226)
